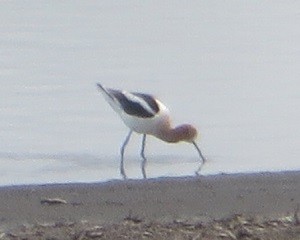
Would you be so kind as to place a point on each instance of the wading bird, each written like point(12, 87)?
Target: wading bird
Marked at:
point(144, 114)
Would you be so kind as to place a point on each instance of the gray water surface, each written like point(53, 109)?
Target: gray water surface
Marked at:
point(231, 68)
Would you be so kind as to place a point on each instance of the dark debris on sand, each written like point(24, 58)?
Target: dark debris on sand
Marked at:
point(236, 227)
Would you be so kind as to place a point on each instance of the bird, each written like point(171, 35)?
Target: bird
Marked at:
point(146, 115)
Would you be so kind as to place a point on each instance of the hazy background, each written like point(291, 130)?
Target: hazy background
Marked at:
point(232, 68)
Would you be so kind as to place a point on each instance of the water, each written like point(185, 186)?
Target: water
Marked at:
point(231, 68)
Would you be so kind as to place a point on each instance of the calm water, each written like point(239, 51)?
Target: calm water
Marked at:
point(232, 68)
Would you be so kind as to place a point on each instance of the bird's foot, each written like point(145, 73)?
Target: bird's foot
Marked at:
point(123, 174)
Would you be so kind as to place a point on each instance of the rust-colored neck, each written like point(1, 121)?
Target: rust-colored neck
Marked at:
point(183, 132)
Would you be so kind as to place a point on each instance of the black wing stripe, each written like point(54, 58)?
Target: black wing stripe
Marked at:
point(135, 108)
point(149, 100)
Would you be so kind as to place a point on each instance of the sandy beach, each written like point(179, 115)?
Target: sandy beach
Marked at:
point(193, 200)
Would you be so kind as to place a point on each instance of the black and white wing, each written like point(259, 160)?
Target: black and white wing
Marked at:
point(135, 104)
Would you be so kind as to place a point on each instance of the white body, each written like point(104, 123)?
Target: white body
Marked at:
point(147, 125)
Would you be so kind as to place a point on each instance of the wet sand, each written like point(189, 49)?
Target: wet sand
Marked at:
point(200, 199)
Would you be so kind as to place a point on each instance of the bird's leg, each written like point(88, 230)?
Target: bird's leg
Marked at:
point(143, 156)
point(122, 171)
point(201, 156)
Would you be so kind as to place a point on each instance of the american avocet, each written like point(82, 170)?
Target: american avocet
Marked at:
point(144, 114)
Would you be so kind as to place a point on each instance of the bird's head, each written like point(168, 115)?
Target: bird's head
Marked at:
point(186, 132)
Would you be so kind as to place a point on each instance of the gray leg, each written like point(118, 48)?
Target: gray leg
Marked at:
point(201, 156)
point(143, 156)
point(122, 171)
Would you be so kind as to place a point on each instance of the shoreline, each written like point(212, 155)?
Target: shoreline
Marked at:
point(155, 179)
point(204, 198)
